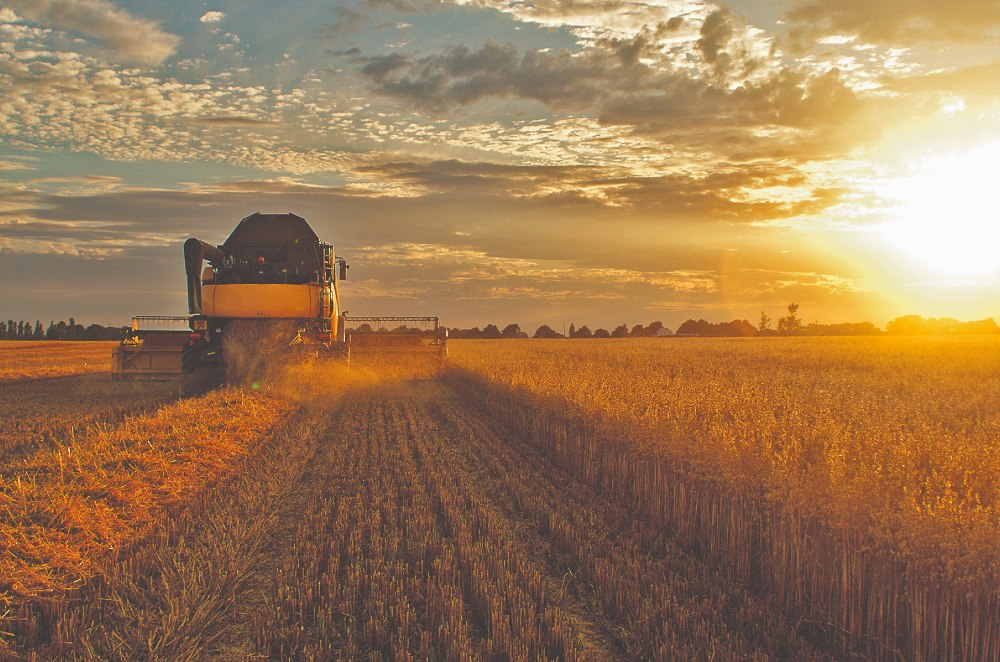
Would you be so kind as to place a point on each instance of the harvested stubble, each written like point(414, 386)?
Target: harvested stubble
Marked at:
point(432, 536)
point(400, 525)
point(187, 591)
point(31, 359)
point(853, 482)
point(66, 512)
point(51, 413)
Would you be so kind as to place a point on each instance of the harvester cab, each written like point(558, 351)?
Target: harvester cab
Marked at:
point(269, 291)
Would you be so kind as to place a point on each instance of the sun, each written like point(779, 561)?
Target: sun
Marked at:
point(945, 216)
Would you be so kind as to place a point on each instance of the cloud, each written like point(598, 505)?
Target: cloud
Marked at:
point(556, 264)
point(134, 39)
point(976, 81)
point(729, 108)
point(12, 166)
point(716, 32)
point(461, 75)
point(234, 121)
point(212, 17)
point(901, 21)
point(347, 22)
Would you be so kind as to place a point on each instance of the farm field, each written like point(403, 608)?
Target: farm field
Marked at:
point(595, 500)
point(28, 359)
point(855, 480)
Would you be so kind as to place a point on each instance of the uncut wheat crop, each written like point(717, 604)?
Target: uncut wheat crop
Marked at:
point(887, 448)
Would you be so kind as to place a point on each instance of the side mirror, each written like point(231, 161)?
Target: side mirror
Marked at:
point(343, 270)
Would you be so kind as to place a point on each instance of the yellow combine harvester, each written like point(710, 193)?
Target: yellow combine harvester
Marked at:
point(270, 290)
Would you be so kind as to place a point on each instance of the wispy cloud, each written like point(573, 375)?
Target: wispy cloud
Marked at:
point(234, 121)
point(132, 38)
point(901, 21)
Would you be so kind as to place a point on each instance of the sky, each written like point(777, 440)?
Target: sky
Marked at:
point(494, 161)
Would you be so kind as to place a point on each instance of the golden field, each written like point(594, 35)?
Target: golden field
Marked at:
point(879, 458)
point(25, 359)
point(678, 499)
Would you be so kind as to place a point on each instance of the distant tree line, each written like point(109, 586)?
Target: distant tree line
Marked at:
point(789, 325)
point(61, 330)
point(494, 332)
point(912, 325)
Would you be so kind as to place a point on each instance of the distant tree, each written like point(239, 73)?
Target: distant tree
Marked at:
point(620, 331)
point(545, 331)
point(492, 332)
point(912, 325)
point(94, 332)
point(39, 332)
point(985, 326)
point(653, 329)
point(790, 324)
point(572, 330)
point(741, 328)
point(765, 322)
point(843, 329)
point(637, 331)
point(584, 332)
point(511, 331)
point(602, 333)
point(737, 328)
point(692, 328)
point(908, 325)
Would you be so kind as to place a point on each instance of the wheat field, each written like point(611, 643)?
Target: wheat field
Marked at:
point(855, 480)
point(674, 499)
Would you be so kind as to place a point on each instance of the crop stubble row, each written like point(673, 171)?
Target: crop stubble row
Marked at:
point(52, 412)
point(68, 512)
point(401, 525)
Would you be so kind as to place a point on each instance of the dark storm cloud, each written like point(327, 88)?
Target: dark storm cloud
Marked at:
point(901, 21)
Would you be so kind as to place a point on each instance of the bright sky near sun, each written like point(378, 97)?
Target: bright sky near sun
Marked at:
point(503, 161)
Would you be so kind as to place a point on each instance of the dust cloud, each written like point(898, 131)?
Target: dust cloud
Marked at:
point(258, 356)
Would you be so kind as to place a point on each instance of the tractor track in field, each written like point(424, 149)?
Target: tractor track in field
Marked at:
point(401, 523)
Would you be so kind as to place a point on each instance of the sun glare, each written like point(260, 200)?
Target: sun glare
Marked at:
point(945, 215)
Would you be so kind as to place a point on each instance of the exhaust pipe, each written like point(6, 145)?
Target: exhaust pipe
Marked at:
point(196, 252)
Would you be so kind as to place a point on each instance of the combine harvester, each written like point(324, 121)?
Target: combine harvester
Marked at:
point(268, 295)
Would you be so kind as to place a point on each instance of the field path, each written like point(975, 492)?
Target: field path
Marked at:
point(400, 523)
